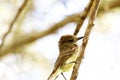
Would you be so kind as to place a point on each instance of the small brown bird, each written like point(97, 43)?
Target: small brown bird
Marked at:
point(68, 49)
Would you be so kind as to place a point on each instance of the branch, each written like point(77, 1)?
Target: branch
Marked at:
point(83, 17)
point(33, 37)
point(107, 5)
point(12, 23)
point(85, 39)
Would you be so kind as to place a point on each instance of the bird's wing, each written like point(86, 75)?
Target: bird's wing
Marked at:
point(63, 57)
point(60, 61)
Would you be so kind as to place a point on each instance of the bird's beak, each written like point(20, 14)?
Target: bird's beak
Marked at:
point(80, 38)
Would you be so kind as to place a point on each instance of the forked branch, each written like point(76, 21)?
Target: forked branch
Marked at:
point(90, 25)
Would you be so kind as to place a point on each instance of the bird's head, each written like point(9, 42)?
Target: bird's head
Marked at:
point(69, 39)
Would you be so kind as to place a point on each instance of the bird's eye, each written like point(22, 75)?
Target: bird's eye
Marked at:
point(71, 40)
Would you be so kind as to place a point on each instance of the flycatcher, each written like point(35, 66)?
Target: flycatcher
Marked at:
point(68, 49)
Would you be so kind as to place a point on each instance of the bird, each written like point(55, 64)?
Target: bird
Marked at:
point(68, 52)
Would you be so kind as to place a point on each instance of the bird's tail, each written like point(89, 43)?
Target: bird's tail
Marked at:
point(54, 75)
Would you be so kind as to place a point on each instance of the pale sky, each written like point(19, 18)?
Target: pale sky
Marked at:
point(102, 56)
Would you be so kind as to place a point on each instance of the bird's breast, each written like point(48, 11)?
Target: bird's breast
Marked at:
point(69, 63)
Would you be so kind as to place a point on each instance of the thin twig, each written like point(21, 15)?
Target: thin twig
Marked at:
point(82, 18)
point(12, 23)
point(33, 37)
point(85, 39)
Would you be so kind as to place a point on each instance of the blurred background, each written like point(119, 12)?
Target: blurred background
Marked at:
point(30, 50)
